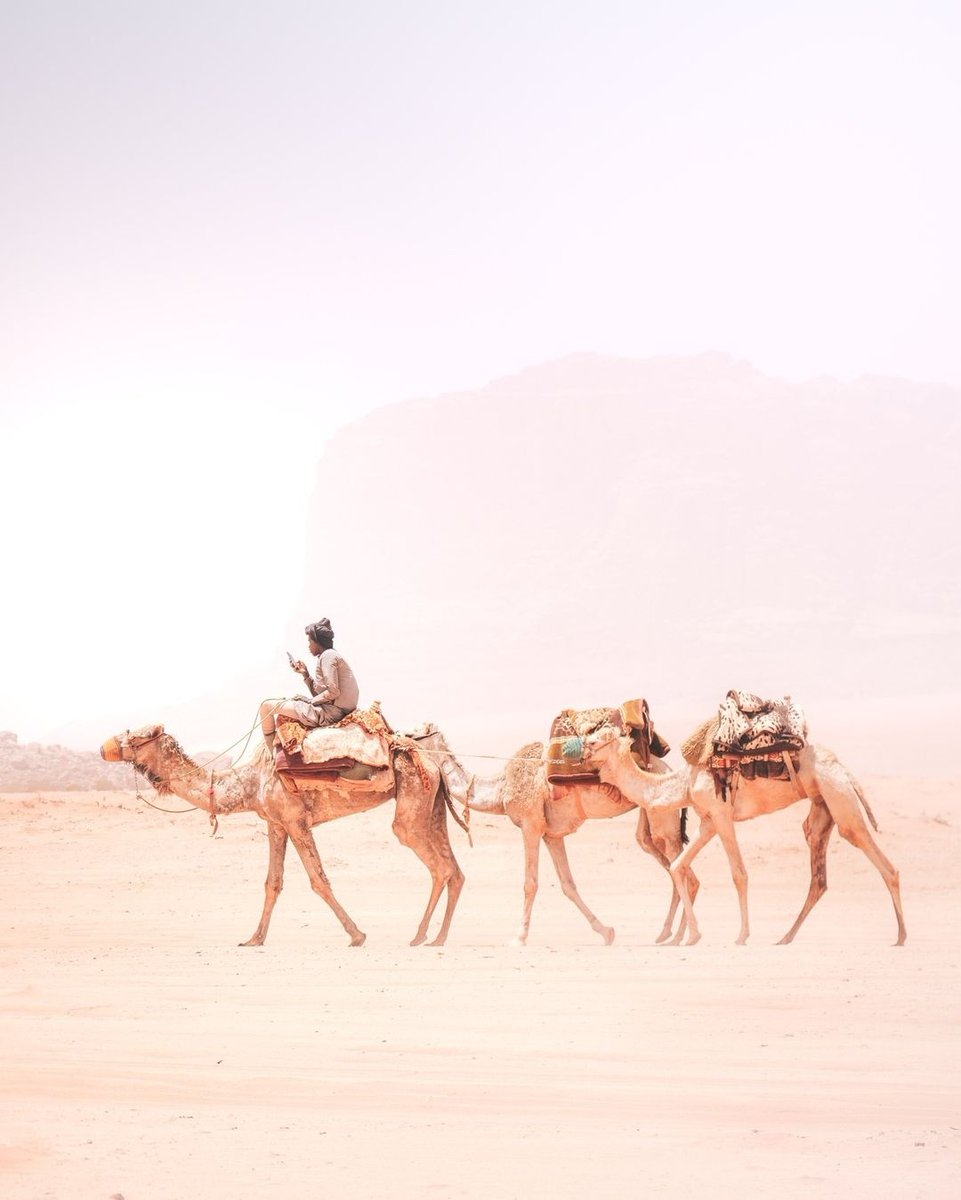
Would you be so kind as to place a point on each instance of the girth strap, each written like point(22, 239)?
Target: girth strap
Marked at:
point(798, 785)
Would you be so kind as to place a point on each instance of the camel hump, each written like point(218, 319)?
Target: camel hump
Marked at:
point(697, 749)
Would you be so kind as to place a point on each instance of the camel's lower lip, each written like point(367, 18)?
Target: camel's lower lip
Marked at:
point(110, 751)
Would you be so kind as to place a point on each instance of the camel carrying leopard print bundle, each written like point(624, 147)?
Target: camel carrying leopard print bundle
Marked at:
point(749, 726)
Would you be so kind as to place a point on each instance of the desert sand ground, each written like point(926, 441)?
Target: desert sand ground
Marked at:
point(145, 1055)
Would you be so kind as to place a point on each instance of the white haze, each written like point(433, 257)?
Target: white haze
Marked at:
point(228, 231)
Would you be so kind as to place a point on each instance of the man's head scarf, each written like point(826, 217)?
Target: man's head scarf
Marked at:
point(322, 628)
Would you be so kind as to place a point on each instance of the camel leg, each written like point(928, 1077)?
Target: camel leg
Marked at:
point(532, 850)
point(681, 872)
point(425, 832)
point(646, 842)
point(817, 831)
point(274, 883)
point(569, 887)
point(665, 847)
point(858, 834)
point(841, 793)
point(303, 839)
point(725, 831)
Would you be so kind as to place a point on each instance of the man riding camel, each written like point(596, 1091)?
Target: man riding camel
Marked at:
point(333, 688)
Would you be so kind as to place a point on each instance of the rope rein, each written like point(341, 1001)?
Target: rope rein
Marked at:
point(245, 738)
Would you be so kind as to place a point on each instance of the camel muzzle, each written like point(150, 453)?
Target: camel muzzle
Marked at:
point(110, 751)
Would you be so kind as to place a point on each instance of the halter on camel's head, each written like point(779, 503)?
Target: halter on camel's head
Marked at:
point(582, 749)
point(126, 747)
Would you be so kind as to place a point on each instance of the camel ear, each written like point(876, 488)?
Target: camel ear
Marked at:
point(147, 734)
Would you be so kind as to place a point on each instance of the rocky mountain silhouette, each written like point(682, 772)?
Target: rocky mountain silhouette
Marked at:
point(597, 528)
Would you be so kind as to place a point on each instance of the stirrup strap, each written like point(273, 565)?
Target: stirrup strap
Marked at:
point(798, 785)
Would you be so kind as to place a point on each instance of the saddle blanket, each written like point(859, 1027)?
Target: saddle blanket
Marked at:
point(634, 715)
point(748, 725)
point(339, 742)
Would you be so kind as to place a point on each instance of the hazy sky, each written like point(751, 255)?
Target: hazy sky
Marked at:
point(228, 228)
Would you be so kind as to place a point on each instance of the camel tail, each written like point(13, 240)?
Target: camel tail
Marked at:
point(684, 835)
point(453, 812)
point(864, 802)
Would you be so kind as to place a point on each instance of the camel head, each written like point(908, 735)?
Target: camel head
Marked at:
point(151, 752)
point(604, 745)
point(124, 747)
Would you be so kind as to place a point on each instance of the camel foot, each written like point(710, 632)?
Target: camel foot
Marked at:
point(785, 941)
point(439, 941)
point(607, 934)
point(418, 938)
point(254, 941)
point(358, 938)
point(901, 940)
point(741, 941)
point(518, 940)
point(662, 937)
point(694, 938)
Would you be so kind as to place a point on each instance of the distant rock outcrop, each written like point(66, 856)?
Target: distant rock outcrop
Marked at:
point(596, 528)
point(33, 767)
point(36, 768)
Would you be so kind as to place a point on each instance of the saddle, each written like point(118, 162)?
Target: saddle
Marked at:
point(756, 739)
point(354, 749)
point(633, 717)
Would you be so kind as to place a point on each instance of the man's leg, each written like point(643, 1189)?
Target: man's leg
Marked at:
point(267, 713)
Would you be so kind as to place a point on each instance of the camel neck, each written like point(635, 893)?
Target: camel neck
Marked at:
point(652, 790)
point(218, 792)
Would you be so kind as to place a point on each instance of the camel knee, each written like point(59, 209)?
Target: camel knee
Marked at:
point(667, 848)
point(401, 831)
point(853, 834)
point(322, 886)
point(645, 841)
point(678, 864)
point(568, 889)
